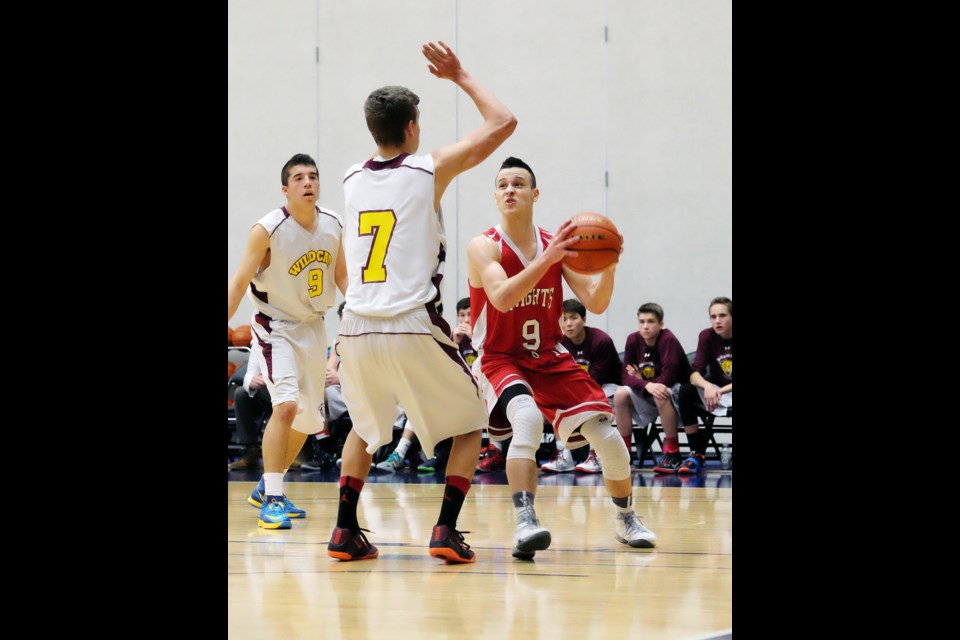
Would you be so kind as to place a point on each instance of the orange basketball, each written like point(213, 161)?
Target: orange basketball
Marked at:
point(229, 336)
point(598, 246)
point(242, 336)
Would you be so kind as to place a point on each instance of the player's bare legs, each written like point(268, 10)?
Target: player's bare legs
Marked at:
point(526, 421)
point(622, 405)
point(529, 537)
point(279, 440)
point(356, 460)
point(464, 453)
point(668, 417)
point(446, 542)
point(619, 488)
point(347, 541)
point(618, 481)
point(522, 475)
point(277, 437)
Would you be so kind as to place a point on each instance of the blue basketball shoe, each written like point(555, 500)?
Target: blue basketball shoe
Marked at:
point(256, 500)
point(272, 516)
point(694, 464)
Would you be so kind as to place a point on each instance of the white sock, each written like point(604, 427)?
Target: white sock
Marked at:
point(498, 445)
point(273, 484)
point(403, 446)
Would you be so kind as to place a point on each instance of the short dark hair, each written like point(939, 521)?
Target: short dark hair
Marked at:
point(512, 162)
point(651, 307)
point(300, 158)
point(388, 110)
point(463, 303)
point(575, 306)
point(722, 300)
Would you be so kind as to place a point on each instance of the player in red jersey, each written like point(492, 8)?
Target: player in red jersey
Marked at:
point(516, 301)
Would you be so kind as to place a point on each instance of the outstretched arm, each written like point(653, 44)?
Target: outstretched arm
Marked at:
point(258, 243)
point(476, 145)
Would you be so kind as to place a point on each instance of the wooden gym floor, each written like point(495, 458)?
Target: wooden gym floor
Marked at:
point(282, 584)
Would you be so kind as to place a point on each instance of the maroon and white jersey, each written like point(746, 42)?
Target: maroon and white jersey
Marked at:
point(393, 240)
point(533, 325)
point(299, 284)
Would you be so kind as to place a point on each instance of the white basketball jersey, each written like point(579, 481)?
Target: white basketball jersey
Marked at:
point(299, 284)
point(393, 240)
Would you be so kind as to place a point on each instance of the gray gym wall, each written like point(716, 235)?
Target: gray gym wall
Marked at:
point(624, 108)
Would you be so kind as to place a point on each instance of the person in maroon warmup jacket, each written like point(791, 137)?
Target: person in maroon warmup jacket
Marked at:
point(710, 388)
point(653, 362)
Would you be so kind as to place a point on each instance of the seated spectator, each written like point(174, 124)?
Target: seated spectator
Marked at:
point(248, 402)
point(593, 350)
point(252, 407)
point(710, 388)
point(653, 362)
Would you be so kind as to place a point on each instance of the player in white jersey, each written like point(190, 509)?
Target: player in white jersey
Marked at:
point(395, 346)
point(293, 265)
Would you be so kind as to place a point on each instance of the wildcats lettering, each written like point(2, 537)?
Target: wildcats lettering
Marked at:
point(542, 297)
point(307, 258)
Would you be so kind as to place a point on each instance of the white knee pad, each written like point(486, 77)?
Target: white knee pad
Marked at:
point(607, 442)
point(527, 423)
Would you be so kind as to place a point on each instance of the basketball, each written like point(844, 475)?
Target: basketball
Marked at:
point(229, 336)
point(598, 245)
point(242, 336)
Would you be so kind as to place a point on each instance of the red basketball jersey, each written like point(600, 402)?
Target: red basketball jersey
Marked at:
point(534, 323)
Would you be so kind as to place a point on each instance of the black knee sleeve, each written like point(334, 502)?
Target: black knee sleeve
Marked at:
point(689, 404)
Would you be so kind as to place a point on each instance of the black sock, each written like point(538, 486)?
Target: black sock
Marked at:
point(349, 498)
point(523, 498)
point(698, 442)
point(450, 509)
point(453, 495)
point(327, 445)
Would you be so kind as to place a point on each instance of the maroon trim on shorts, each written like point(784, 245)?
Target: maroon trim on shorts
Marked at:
point(381, 333)
point(262, 296)
point(453, 352)
point(500, 432)
point(264, 320)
